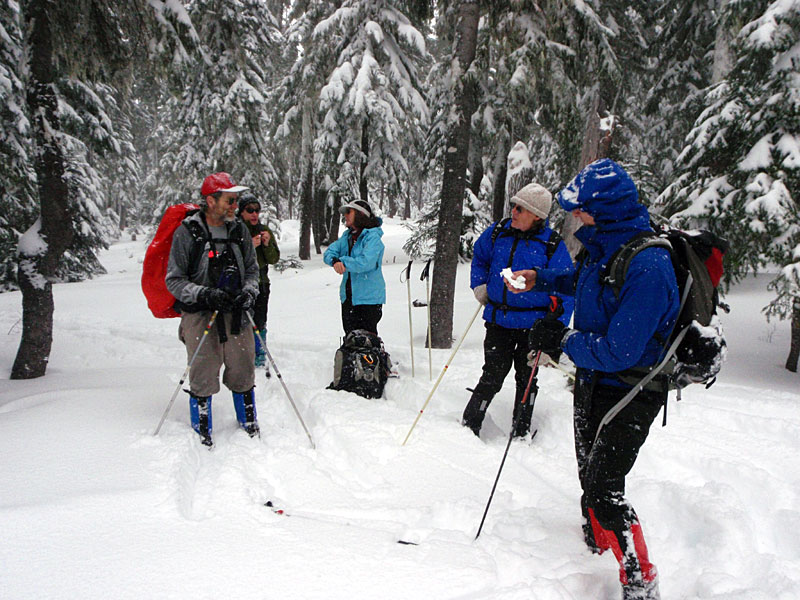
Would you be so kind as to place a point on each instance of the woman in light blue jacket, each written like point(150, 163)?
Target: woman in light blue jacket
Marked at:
point(357, 256)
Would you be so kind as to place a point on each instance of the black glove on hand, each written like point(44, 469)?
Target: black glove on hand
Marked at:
point(546, 335)
point(244, 300)
point(216, 299)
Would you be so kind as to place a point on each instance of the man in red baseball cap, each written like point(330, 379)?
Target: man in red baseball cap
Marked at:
point(212, 270)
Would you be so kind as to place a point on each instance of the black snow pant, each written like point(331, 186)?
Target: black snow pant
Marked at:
point(260, 306)
point(609, 520)
point(502, 347)
point(361, 316)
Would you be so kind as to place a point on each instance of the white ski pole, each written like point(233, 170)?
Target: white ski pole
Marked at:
point(280, 378)
point(444, 370)
point(186, 372)
point(407, 271)
point(425, 276)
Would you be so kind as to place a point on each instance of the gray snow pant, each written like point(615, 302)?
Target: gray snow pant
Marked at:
point(237, 354)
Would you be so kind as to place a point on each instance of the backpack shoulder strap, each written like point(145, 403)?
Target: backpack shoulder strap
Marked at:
point(552, 244)
point(498, 228)
point(616, 270)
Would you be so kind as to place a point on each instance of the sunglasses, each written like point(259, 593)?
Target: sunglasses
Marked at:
point(252, 210)
point(517, 207)
point(230, 201)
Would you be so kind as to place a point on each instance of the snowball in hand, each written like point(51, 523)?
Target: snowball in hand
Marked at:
point(518, 283)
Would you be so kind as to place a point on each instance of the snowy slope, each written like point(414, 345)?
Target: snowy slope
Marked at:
point(92, 505)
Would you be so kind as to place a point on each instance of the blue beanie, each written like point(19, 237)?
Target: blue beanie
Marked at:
point(603, 189)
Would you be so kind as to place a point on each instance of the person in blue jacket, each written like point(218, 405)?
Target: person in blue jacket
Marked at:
point(357, 256)
point(615, 337)
point(523, 240)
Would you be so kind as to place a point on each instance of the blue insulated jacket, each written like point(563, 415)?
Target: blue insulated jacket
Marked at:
point(363, 264)
point(517, 250)
point(613, 334)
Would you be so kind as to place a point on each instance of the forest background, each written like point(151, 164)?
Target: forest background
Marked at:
point(433, 111)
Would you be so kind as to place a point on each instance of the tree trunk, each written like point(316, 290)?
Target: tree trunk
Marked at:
point(475, 166)
point(794, 352)
point(363, 192)
point(43, 245)
point(407, 205)
point(307, 186)
point(500, 174)
point(596, 145)
point(723, 56)
point(333, 217)
point(454, 180)
point(319, 229)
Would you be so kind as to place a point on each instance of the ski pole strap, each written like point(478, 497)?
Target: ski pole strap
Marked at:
point(615, 410)
point(425, 271)
point(405, 274)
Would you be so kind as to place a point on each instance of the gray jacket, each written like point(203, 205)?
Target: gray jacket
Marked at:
point(185, 280)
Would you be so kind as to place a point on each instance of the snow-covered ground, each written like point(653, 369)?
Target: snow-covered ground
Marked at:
point(92, 505)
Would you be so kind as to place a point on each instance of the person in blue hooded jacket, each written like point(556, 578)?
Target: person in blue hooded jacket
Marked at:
point(615, 337)
point(523, 240)
point(357, 256)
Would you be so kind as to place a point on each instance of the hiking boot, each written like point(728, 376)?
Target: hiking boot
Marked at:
point(588, 538)
point(643, 590)
point(261, 345)
point(200, 415)
point(245, 405)
point(474, 414)
point(523, 413)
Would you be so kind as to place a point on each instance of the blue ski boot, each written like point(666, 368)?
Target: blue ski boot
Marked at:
point(200, 414)
point(245, 405)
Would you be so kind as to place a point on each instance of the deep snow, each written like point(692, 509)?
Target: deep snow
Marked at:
point(92, 505)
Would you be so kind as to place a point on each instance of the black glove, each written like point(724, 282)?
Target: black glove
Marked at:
point(216, 299)
point(546, 335)
point(244, 300)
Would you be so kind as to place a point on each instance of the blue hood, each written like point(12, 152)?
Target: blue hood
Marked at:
point(604, 190)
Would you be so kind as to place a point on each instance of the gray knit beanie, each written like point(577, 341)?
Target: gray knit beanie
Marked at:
point(534, 198)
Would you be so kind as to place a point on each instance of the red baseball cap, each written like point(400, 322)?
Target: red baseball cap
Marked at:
point(219, 182)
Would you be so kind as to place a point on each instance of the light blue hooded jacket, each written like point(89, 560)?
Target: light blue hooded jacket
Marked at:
point(363, 264)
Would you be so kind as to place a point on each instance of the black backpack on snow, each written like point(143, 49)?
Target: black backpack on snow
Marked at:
point(361, 365)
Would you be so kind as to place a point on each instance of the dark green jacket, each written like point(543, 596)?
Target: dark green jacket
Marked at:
point(265, 255)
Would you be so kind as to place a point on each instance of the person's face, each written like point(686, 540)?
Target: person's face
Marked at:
point(522, 218)
point(584, 217)
point(224, 207)
point(349, 217)
point(250, 213)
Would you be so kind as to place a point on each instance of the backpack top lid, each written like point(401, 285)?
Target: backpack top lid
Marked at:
point(154, 267)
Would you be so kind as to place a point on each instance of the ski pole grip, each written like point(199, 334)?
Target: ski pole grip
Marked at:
point(556, 308)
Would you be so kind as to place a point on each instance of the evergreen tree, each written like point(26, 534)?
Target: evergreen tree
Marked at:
point(218, 122)
point(742, 161)
point(17, 177)
point(679, 71)
point(88, 40)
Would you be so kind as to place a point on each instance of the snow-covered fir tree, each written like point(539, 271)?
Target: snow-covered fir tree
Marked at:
point(372, 97)
point(681, 68)
point(17, 177)
point(219, 119)
point(741, 174)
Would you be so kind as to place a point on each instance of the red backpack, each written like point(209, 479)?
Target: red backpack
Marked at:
point(154, 268)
